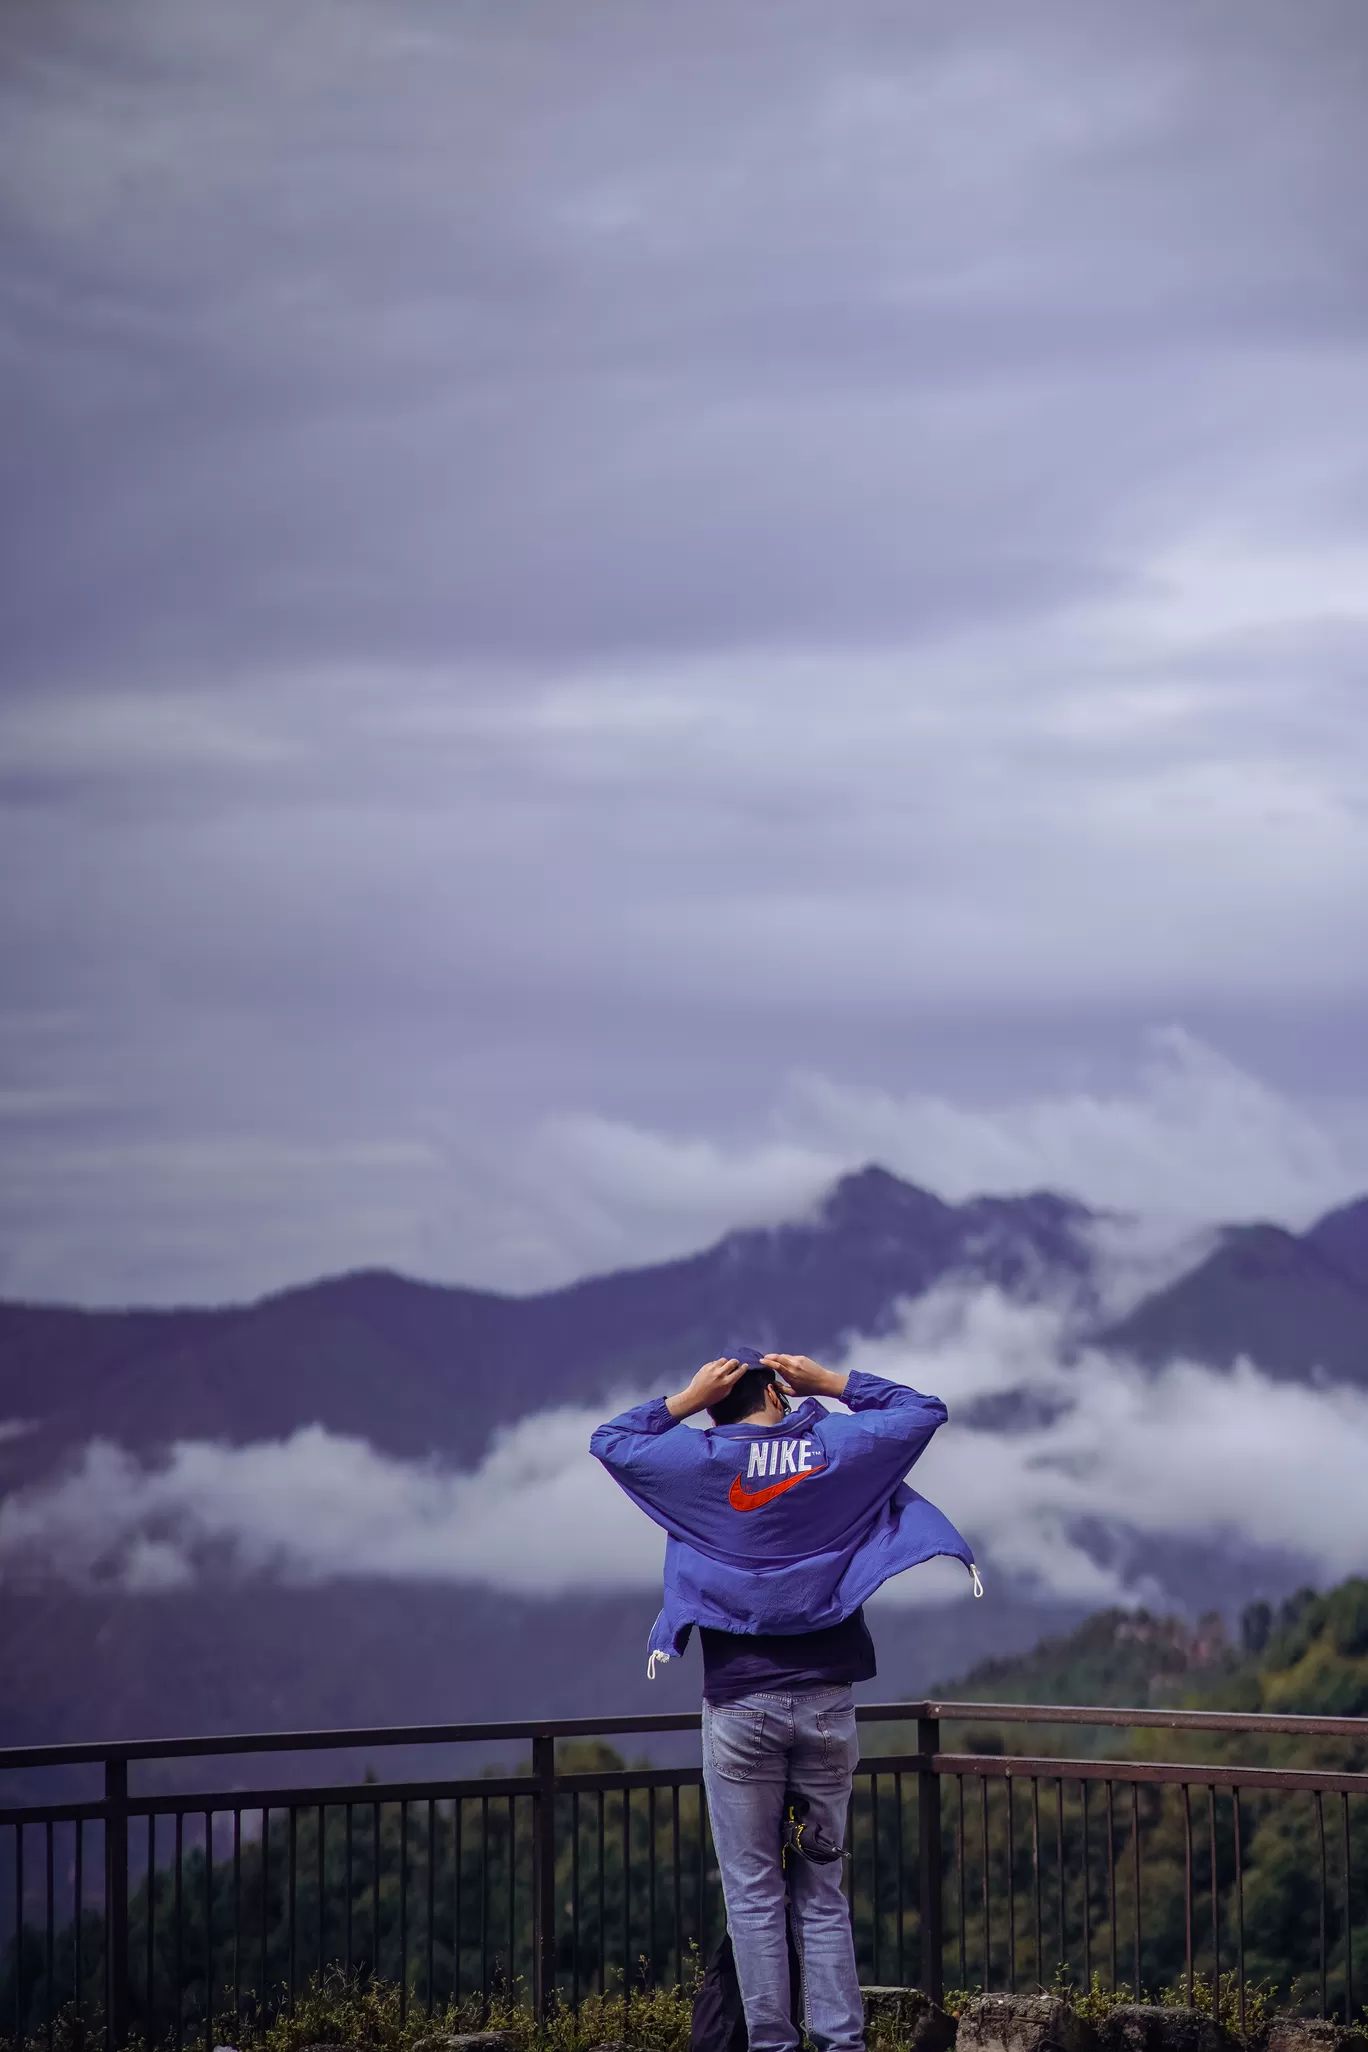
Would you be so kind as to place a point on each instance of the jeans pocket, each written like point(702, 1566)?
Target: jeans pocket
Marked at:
point(840, 1739)
point(736, 1739)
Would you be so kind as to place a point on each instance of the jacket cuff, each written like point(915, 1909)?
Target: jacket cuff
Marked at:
point(862, 1390)
point(657, 1417)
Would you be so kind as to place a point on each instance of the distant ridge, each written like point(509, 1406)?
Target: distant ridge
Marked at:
point(415, 1367)
point(418, 1367)
point(1297, 1305)
point(1342, 1237)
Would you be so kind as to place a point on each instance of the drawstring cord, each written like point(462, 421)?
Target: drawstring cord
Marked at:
point(978, 1581)
point(651, 1664)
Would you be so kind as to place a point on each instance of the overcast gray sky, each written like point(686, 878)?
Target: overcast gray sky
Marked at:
point(607, 611)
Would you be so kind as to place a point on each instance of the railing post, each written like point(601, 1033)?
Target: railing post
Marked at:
point(544, 1872)
point(116, 1902)
point(929, 1861)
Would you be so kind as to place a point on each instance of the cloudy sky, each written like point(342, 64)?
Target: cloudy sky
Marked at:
point(607, 611)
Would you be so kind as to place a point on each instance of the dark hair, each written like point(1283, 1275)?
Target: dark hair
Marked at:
point(746, 1394)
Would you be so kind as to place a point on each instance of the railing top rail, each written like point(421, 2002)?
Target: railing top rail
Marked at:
point(668, 1721)
point(341, 1740)
point(1138, 1720)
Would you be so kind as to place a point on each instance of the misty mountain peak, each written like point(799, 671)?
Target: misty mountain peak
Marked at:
point(872, 1200)
point(1342, 1237)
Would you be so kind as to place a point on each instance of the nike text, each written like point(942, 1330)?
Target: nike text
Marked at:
point(779, 1457)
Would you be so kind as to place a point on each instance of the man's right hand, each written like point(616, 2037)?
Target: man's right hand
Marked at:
point(804, 1377)
point(709, 1386)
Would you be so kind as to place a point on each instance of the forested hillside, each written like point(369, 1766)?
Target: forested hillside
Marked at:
point(1308, 1655)
point(1114, 1657)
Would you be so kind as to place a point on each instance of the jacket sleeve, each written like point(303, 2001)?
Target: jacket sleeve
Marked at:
point(898, 1422)
point(652, 1460)
point(623, 1441)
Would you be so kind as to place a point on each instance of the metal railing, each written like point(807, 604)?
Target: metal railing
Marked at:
point(162, 1911)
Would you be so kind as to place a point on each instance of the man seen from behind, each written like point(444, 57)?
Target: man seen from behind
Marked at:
point(780, 1523)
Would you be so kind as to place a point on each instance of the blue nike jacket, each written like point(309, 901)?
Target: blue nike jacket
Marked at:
point(784, 1528)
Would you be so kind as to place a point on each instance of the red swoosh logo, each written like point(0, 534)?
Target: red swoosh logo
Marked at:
point(743, 1499)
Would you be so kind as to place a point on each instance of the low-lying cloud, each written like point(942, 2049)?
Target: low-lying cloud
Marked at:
point(1219, 1460)
point(1189, 1138)
point(537, 1515)
point(1101, 1448)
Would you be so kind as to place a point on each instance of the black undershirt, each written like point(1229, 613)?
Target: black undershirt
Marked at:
point(785, 1663)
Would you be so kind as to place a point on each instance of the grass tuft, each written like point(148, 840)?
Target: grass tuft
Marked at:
point(367, 2016)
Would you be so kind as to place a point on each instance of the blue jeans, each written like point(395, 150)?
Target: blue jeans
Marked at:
point(753, 1750)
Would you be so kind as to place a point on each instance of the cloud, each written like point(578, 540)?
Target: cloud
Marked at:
point(600, 321)
point(691, 555)
point(1189, 1136)
point(538, 1515)
point(1085, 1500)
point(1214, 1460)
point(1186, 1139)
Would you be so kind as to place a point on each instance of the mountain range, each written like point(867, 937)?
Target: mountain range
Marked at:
point(420, 1370)
point(413, 1367)
point(1296, 1304)
point(416, 1367)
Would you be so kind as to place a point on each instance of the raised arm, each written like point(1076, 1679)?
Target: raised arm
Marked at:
point(898, 1420)
point(627, 1439)
point(648, 1458)
point(895, 1413)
